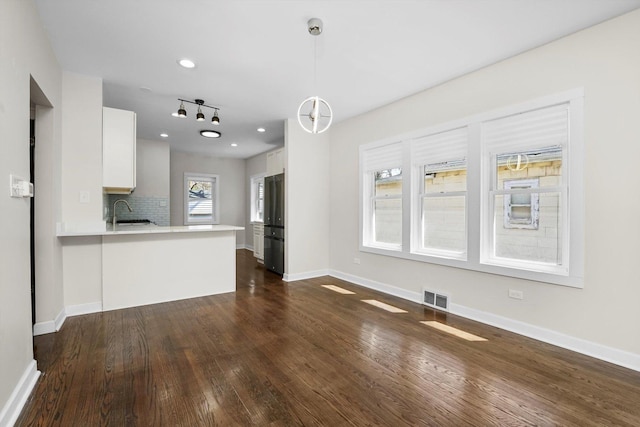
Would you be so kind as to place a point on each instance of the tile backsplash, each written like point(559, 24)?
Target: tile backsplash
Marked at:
point(155, 209)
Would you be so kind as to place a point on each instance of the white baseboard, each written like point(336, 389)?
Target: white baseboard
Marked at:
point(77, 310)
point(241, 246)
point(42, 328)
point(589, 348)
point(50, 326)
point(19, 396)
point(303, 276)
point(378, 286)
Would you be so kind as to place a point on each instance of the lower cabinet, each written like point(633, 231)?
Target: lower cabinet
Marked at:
point(258, 242)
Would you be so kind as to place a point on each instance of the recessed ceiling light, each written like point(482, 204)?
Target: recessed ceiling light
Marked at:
point(186, 63)
point(210, 133)
point(261, 130)
point(164, 135)
point(234, 145)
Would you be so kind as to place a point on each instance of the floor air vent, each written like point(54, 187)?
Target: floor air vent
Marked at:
point(435, 300)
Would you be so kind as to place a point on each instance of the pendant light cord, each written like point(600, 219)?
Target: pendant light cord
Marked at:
point(315, 64)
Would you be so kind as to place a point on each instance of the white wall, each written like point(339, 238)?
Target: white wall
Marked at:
point(255, 165)
point(232, 187)
point(307, 202)
point(152, 168)
point(24, 52)
point(81, 148)
point(81, 172)
point(605, 60)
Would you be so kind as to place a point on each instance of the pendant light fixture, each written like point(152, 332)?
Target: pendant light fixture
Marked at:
point(314, 113)
point(182, 112)
point(199, 116)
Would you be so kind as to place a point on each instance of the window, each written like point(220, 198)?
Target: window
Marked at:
point(527, 192)
point(201, 199)
point(257, 198)
point(382, 196)
point(441, 168)
point(487, 193)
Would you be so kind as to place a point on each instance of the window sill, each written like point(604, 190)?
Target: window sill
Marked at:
point(501, 270)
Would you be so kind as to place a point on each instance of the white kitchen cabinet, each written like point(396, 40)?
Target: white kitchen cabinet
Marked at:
point(118, 151)
point(258, 242)
point(275, 162)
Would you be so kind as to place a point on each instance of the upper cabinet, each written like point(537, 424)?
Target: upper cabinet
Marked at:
point(275, 162)
point(118, 151)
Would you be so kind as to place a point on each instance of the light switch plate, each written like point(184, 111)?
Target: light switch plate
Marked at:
point(84, 197)
point(19, 187)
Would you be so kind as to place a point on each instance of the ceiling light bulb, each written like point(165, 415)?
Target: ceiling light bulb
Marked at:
point(234, 145)
point(186, 63)
point(164, 135)
point(261, 130)
point(215, 119)
point(181, 111)
point(200, 115)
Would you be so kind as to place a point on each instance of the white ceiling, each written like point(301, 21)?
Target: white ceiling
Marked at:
point(255, 58)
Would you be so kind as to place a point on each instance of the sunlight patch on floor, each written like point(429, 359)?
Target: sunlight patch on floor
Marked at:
point(453, 331)
point(338, 289)
point(384, 306)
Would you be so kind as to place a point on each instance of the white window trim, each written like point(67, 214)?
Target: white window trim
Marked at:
point(252, 191)
point(573, 276)
point(216, 197)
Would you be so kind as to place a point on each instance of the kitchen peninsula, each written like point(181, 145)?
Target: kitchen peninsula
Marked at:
point(148, 264)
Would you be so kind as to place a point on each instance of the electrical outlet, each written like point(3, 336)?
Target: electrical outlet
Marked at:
point(356, 260)
point(516, 294)
point(84, 197)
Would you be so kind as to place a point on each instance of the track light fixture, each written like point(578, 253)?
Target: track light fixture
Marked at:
point(200, 115)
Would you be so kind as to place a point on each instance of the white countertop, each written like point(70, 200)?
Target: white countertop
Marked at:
point(146, 229)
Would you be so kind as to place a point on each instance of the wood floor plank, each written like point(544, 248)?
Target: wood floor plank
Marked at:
point(281, 354)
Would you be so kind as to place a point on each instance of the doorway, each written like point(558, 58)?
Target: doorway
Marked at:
point(32, 213)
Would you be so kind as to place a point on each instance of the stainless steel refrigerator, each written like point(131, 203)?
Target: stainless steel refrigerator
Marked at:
point(274, 223)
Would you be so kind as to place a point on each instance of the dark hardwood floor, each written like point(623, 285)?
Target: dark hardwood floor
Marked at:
point(277, 353)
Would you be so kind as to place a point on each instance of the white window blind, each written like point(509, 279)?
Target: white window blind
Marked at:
point(440, 147)
point(545, 127)
point(383, 157)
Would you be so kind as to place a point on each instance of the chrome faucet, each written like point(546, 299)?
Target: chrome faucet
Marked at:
point(114, 210)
